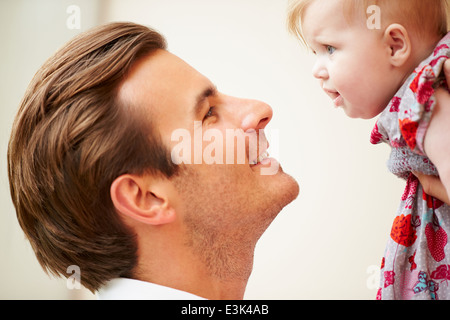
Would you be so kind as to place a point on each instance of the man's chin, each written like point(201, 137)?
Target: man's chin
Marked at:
point(285, 194)
point(284, 191)
point(293, 189)
point(287, 186)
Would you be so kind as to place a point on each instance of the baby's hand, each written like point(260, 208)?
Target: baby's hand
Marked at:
point(437, 145)
point(447, 70)
point(433, 186)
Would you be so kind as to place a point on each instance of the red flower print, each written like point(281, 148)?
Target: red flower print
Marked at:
point(428, 105)
point(415, 222)
point(389, 278)
point(411, 187)
point(415, 83)
point(436, 61)
point(439, 48)
point(436, 241)
point(441, 273)
point(376, 137)
point(409, 131)
point(383, 261)
point(432, 202)
point(409, 195)
point(395, 104)
point(425, 91)
point(378, 294)
point(403, 232)
point(413, 262)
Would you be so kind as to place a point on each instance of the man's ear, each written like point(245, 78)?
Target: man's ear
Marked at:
point(139, 198)
point(397, 39)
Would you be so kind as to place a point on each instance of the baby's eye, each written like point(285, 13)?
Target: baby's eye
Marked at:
point(331, 49)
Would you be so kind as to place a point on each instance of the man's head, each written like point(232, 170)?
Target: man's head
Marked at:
point(71, 138)
point(90, 166)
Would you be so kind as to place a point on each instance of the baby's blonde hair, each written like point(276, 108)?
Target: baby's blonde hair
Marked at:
point(424, 17)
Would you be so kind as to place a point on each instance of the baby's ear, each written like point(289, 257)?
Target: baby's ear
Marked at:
point(398, 42)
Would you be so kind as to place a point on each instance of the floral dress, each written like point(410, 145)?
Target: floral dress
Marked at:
point(416, 264)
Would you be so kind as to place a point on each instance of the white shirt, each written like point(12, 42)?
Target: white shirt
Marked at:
point(130, 289)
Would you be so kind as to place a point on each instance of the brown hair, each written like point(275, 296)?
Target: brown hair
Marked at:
point(71, 138)
point(426, 18)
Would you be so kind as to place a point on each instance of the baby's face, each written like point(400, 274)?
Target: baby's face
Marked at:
point(352, 61)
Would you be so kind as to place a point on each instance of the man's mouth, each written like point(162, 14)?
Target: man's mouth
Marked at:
point(260, 159)
point(264, 164)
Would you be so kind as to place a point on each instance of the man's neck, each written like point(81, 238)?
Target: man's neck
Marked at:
point(179, 268)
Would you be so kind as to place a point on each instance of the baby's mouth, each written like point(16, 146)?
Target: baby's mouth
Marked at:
point(335, 96)
point(338, 101)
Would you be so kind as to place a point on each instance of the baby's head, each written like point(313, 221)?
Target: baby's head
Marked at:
point(366, 48)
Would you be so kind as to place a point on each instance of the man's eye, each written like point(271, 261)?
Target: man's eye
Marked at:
point(331, 49)
point(210, 113)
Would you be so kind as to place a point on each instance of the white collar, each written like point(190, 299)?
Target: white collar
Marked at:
point(130, 289)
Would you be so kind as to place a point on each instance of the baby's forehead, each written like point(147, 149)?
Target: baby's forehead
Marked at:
point(427, 19)
point(322, 15)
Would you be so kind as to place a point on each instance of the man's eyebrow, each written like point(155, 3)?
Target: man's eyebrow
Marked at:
point(208, 92)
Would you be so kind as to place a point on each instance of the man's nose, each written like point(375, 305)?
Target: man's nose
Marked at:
point(254, 115)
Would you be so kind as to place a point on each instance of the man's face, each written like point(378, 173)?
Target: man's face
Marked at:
point(224, 207)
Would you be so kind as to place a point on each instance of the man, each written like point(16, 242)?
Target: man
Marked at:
point(95, 183)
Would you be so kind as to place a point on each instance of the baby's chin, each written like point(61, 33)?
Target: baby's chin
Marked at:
point(366, 113)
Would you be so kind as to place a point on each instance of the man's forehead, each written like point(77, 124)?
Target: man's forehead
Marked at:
point(161, 76)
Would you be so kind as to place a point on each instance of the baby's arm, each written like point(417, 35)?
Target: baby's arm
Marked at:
point(433, 186)
point(437, 139)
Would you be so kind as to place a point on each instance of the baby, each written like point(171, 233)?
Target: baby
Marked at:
point(392, 68)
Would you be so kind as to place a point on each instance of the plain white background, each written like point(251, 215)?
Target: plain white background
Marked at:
point(327, 244)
